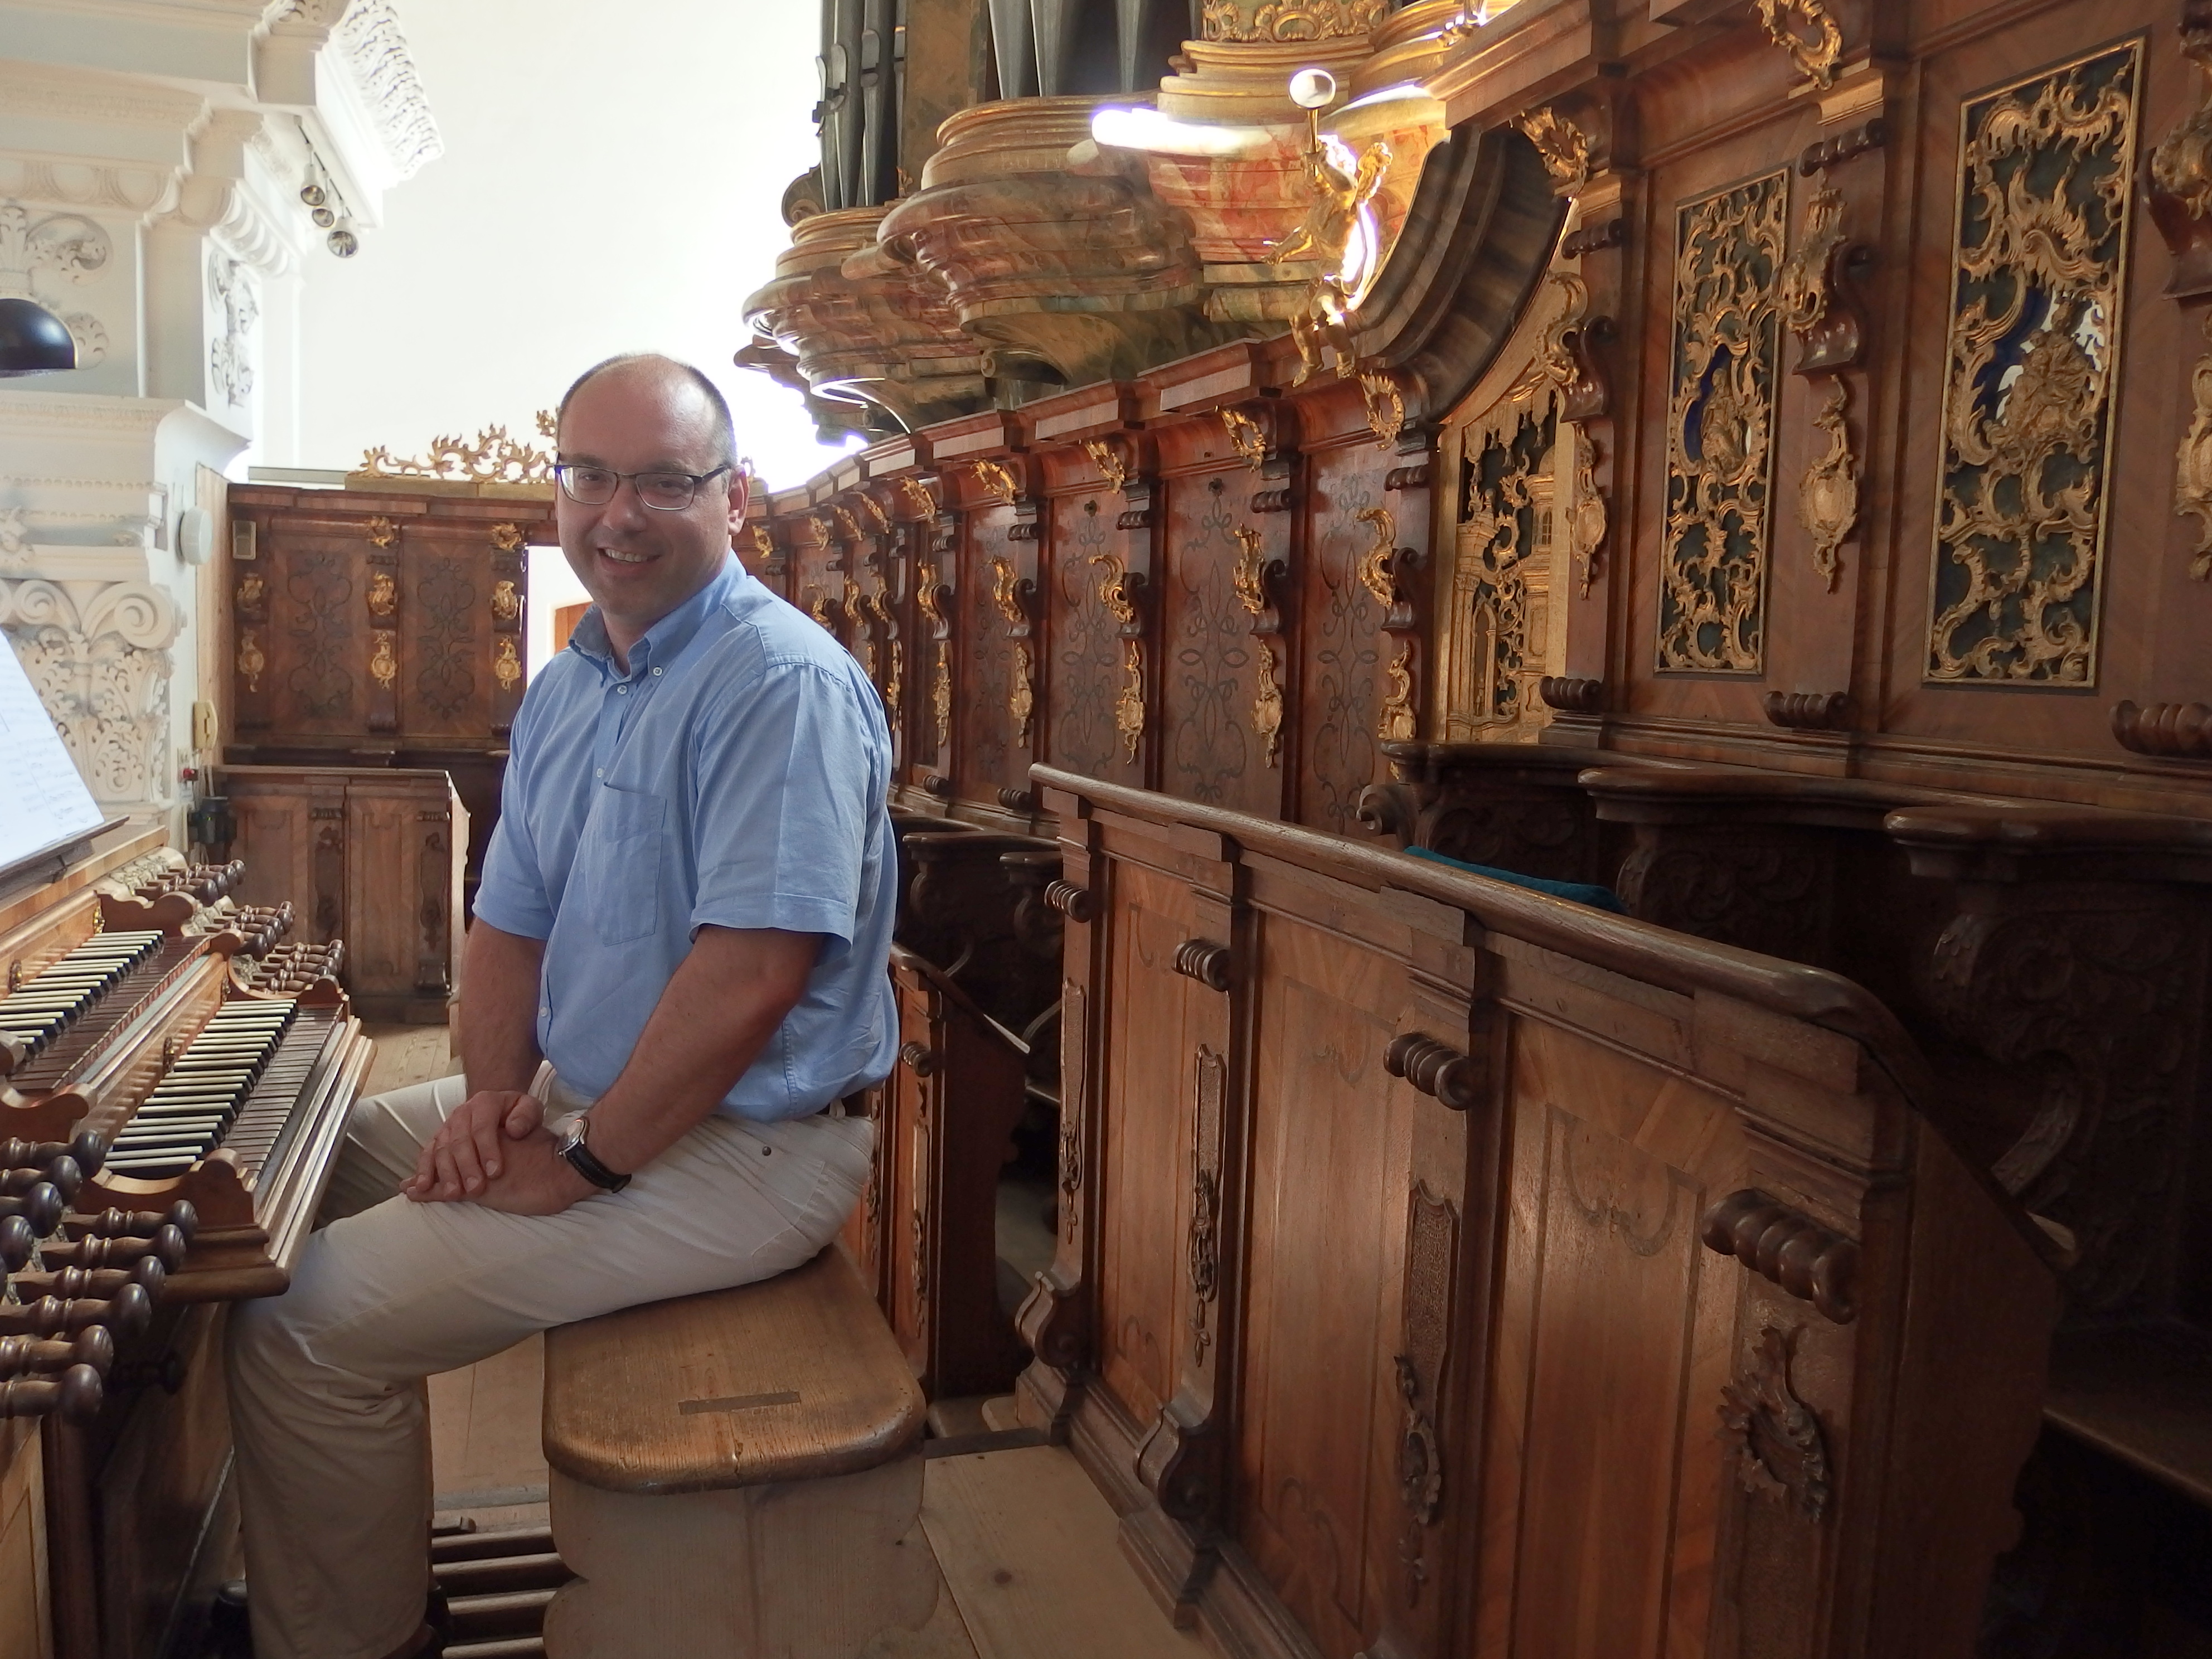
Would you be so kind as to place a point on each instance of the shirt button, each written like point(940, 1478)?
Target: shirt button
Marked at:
point(621, 690)
point(599, 772)
point(544, 1013)
point(656, 671)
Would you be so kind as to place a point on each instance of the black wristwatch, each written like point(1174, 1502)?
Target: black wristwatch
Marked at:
point(580, 1158)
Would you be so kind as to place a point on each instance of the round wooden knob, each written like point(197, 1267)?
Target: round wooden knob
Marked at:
point(919, 1058)
point(17, 1241)
point(40, 1205)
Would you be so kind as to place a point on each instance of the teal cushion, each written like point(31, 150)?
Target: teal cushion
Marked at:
point(1581, 892)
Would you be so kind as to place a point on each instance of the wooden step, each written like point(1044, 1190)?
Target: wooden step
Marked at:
point(508, 1647)
point(500, 1575)
point(477, 1545)
point(510, 1613)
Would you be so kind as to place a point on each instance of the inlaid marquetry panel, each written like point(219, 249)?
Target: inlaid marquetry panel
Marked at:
point(317, 644)
point(991, 754)
point(1317, 1453)
point(1728, 249)
point(1347, 654)
point(445, 657)
point(1150, 1093)
point(1090, 555)
point(1210, 752)
point(2046, 172)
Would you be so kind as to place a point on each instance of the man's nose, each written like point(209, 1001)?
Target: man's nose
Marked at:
point(626, 506)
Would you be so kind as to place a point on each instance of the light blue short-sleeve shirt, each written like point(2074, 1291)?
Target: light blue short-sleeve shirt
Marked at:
point(738, 777)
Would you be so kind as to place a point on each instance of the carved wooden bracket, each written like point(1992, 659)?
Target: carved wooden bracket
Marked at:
point(1071, 901)
point(1572, 696)
point(1016, 801)
point(2183, 730)
point(1406, 478)
point(1787, 1247)
point(937, 784)
point(1612, 233)
point(1824, 153)
point(1810, 711)
point(1204, 961)
point(1433, 1067)
point(919, 1059)
point(1271, 501)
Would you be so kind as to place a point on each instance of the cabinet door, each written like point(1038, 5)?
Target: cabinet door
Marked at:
point(291, 831)
point(401, 880)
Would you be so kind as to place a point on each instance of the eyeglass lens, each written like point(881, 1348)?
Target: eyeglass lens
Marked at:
point(595, 486)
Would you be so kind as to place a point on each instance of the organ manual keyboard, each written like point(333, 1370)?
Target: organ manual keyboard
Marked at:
point(175, 1077)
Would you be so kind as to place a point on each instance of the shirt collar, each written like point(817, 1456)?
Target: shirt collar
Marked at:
point(665, 642)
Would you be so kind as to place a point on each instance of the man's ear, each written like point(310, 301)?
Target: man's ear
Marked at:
point(741, 495)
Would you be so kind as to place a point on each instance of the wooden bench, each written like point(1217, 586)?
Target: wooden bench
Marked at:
point(738, 1473)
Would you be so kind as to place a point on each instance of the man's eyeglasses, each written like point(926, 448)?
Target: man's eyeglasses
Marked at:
point(664, 492)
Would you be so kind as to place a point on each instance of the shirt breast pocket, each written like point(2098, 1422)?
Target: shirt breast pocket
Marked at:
point(625, 860)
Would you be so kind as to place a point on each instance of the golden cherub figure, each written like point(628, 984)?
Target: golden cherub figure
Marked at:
point(1339, 194)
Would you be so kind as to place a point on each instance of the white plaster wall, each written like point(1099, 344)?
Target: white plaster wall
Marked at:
point(611, 182)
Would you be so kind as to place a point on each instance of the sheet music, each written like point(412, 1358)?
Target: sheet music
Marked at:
point(43, 801)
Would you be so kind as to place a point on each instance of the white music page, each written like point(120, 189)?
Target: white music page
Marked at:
point(43, 801)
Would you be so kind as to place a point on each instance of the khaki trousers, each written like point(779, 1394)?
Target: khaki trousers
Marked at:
point(332, 1438)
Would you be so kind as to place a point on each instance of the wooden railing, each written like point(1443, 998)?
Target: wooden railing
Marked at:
point(1448, 1268)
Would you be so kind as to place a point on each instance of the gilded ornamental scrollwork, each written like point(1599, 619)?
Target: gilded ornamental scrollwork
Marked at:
point(1245, 436)
point(1288, 20)
point(1564, 147)
point(1129, 702)
point(384, 592)
point(508, 537)
point(1250, 577)
point(996, 483)
point(383, 658)
point(2193, 463)
point(2039, 252)
point(1828, 494)
point(1385, 406)
point(1808, 33)
point(1104, 456)
point(492, 457)
point(505, 602)
point(381, 532)
point(2180, 175)
point(1728, 253)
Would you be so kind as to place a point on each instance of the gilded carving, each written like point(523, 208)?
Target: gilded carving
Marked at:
point(1339, 233)
point(1385, 406)
point(2181, 168)
point(1375, 563)
point(1113, 588)
point(1111, 467)
point(507, 538)
point(1129, 705)
point(1728, 253)
point(940, 699)
point(1804, 285)
point(1006, 592)
point(251, 661)
point(381, 532)
point(494, 457)
point(505, 602)
point(817, 606)
point(892, 681)
point(1564, 147)
point(249, 599)
point(1289, 20)
point(1395, 723)
point(1805, 30)
point(383, 661)
point(1021, 695)
point(1828, 494)
point(2040, 255)
point(1248, 575)
point(2192, 464)
point(1268, 705)
point(763, 543)
point(876, 516)
point(1504, 535)
point(1587, 518)
point(997, 483)
point(918, 494)
point(383, 593)
point(505, 665)
point(1780, 1451)
point(1204, 1241)
point(1245, 436)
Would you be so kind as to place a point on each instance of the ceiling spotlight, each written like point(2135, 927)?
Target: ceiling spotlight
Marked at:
point(33, 340)
point(342, 242)
point(323, 218)
point(313, 194)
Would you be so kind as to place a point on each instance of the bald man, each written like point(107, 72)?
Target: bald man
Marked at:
point(675, 974)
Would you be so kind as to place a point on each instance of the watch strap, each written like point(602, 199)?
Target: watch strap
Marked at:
point(586, 1163)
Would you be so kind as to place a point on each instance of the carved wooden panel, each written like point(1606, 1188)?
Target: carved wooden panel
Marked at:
point(1727, 252)
point(996, 710)
point(2045, 182)
point(1322, 1420)
point(1503, 572)
point(1602, 1468)
point(1146, 1145)
point(317, 644)
point(1345, 658)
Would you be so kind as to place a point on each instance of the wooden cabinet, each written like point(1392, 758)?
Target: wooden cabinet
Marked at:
point(380, 627)
point(371, 856)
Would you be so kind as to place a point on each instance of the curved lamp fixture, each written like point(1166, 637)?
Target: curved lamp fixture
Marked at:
point(33, 340)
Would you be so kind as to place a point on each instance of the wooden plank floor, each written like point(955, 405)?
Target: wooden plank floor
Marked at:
point(1030, 1550)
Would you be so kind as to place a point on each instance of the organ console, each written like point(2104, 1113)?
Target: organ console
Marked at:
point(175, 1076)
